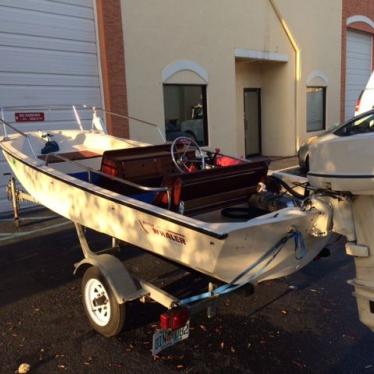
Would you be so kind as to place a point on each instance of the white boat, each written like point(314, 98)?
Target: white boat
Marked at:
point(173, 199)
point(224, 217)
point(77, 182)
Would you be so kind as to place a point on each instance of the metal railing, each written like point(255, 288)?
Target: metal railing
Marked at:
point(6, 124)
point(85, 167)
point(111, 177)
point(79, 106)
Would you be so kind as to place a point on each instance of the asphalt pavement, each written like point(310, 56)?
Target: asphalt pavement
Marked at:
point(307, 322)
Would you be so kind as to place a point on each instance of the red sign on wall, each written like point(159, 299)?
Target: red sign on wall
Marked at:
point(30, 117)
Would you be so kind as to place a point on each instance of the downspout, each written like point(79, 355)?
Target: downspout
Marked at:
point(297, 67)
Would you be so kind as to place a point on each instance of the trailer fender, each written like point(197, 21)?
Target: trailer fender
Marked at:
point(124, 286)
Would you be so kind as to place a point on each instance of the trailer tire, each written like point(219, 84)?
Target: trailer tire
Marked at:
point(104, 313)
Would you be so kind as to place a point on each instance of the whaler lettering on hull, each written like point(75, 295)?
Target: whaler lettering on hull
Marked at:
point(150, 228)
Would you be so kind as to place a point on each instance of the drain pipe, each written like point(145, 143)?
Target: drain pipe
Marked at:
point(297, 67)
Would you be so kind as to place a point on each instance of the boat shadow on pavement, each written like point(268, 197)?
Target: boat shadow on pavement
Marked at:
point(303, 323)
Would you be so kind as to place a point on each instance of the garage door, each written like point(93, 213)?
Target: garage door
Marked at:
point(359, 67)
point(48, 56)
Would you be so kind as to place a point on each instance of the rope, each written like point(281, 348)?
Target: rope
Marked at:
point(266, 259)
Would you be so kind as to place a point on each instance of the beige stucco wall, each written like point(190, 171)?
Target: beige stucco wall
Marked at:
point(316, 25)
point(160, 32)
point(276, 81)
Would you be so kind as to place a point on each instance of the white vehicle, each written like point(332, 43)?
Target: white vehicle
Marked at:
point(343, 159)
point(365, 101)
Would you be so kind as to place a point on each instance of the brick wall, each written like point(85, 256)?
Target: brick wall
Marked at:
point(112, 60)
point(353, 8)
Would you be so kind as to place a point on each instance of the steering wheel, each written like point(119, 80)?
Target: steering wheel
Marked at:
point(180, 148)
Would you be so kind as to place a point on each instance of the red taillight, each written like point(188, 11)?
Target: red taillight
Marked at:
point(174, 319)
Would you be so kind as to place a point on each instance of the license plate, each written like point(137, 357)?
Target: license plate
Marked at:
point(166, 338)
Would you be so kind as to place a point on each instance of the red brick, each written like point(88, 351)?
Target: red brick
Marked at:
point(112, 58)
point(353, 8)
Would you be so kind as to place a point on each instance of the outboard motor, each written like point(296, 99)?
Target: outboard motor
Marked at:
point(341, 169)
point(270, 202)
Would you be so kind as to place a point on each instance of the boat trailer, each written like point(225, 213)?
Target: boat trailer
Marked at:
point(107, 285)
point(338, 191)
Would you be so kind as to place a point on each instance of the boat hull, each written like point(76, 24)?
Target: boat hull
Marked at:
point(221, 251)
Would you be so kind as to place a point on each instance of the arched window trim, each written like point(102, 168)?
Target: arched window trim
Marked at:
point(184, 65)
point(360, 18)
point(315, 75)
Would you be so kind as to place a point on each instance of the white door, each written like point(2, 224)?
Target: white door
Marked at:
point(48, 56)
point(358, 67)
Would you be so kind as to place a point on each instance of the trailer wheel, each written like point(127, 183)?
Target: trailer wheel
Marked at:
point(105, 314)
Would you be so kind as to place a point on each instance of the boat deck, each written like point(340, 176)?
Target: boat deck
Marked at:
point(71, 156)
point(190, 193)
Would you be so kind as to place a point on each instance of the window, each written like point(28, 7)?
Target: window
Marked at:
point(362, 125)
point(316, 108)
point(185, 112)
